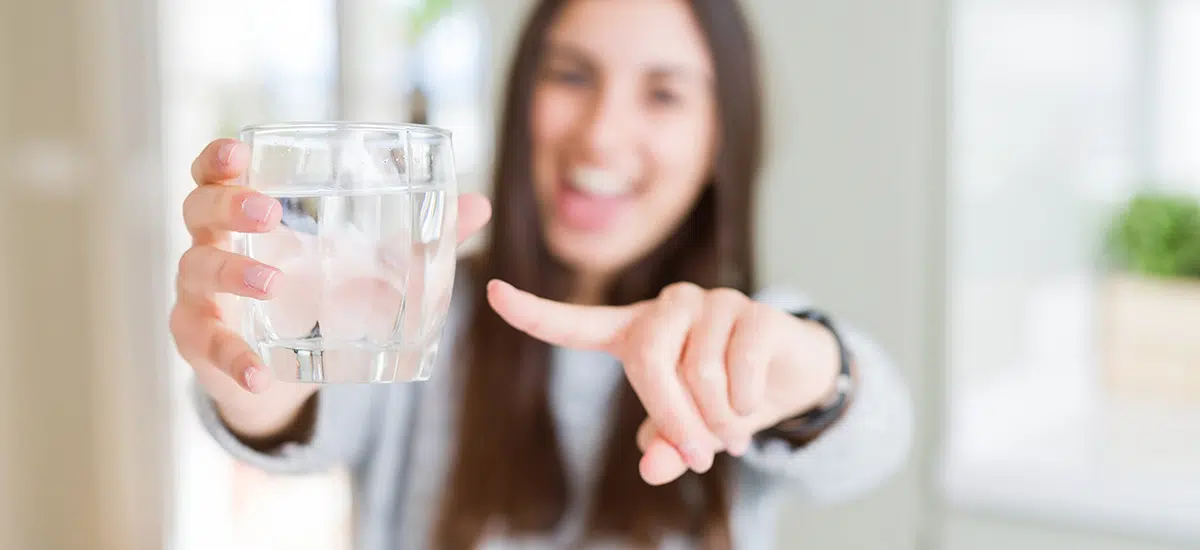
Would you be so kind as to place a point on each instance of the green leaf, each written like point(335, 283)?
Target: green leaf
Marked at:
point(1158, 234)
point(422, 14)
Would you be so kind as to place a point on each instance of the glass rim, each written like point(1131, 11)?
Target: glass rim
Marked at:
point(343, 124)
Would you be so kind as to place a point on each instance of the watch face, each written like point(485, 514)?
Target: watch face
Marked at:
point(845, 383)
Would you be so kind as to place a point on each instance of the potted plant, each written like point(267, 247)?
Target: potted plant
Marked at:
point(1150, 312)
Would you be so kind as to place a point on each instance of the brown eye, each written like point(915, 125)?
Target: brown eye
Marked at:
point(663, 96)
point(570, 77)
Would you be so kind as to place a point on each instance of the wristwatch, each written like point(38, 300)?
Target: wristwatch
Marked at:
point(804, 428)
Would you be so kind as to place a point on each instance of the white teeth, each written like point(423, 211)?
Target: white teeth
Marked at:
point(597, 181)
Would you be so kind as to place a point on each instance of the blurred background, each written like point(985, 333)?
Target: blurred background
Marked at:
point(1003, 191)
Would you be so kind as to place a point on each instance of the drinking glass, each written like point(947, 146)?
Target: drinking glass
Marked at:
point(366, 249)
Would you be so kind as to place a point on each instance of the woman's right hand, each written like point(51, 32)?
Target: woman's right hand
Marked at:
point(210, 275)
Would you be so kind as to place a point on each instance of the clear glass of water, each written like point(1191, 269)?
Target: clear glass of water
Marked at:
point(366, 249)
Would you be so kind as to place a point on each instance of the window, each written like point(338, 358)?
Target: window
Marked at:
point(1061, 110)
point(450, 75)
point(420, 61)
point(1177, 109)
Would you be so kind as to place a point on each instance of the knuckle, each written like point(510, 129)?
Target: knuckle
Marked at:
point(189, 202)
point(211, 204)
point(644, 355)
point(752, 319)
point(210, 309)
point(188, 262)
point(197, 170)
point(217, 198)
point(675, 428)
point(692, 375)
point(682, 292)
point(206, 158)
point(645, 435)
point(660, 354)
point(696, 377)
point(216, 349)
point(762, 311)
point(222, 265)
point(749, 360)
point(729, 296)
point(177, 323)
point(201, 267)
point(720, 422)
point(196, 214)
point(745, 406)
point(697, 374)
point(227, 350)
point(182, 326)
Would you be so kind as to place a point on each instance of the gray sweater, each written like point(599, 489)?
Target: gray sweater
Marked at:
point(397, 439)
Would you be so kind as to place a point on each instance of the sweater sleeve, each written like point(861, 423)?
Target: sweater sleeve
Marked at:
point(869, 444)
point(344, 428)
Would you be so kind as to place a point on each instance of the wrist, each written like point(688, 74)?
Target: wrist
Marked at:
point(824, 359)
point(814, 354)
point(826, 376)
point(264, 432)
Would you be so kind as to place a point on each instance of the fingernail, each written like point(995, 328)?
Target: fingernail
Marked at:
point(258, 207)
point(256, 379)
point(226, 154)
point(259, 277)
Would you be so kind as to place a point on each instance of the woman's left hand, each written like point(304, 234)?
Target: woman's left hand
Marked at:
point(711, 367)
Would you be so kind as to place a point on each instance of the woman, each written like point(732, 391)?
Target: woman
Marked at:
point(641, 399)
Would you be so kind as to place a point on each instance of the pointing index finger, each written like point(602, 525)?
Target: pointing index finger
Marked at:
point(556, 323)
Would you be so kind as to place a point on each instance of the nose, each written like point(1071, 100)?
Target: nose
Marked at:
point(610, 127)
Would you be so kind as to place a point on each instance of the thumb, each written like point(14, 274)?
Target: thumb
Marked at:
point(556, 323)
point(474, 211)
point(661, 462)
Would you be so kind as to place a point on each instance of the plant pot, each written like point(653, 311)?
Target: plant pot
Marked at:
point(1150, 339)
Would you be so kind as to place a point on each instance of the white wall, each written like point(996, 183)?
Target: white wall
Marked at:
point(853, 207)
point(972, 531)
point(852, 202)
point(8, 471)
point(81, 238)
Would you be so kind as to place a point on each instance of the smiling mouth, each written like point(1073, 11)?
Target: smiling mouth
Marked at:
point(594, 199)
point(599, 182)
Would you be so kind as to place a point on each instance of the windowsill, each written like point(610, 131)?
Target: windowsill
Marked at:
point(1102, 466)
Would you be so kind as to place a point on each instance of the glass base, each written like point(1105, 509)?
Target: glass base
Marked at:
point(348, 365)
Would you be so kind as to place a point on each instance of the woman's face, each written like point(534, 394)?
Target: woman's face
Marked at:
point(624, 129)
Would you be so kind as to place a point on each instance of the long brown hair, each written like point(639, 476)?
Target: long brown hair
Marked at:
point(508, 471)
